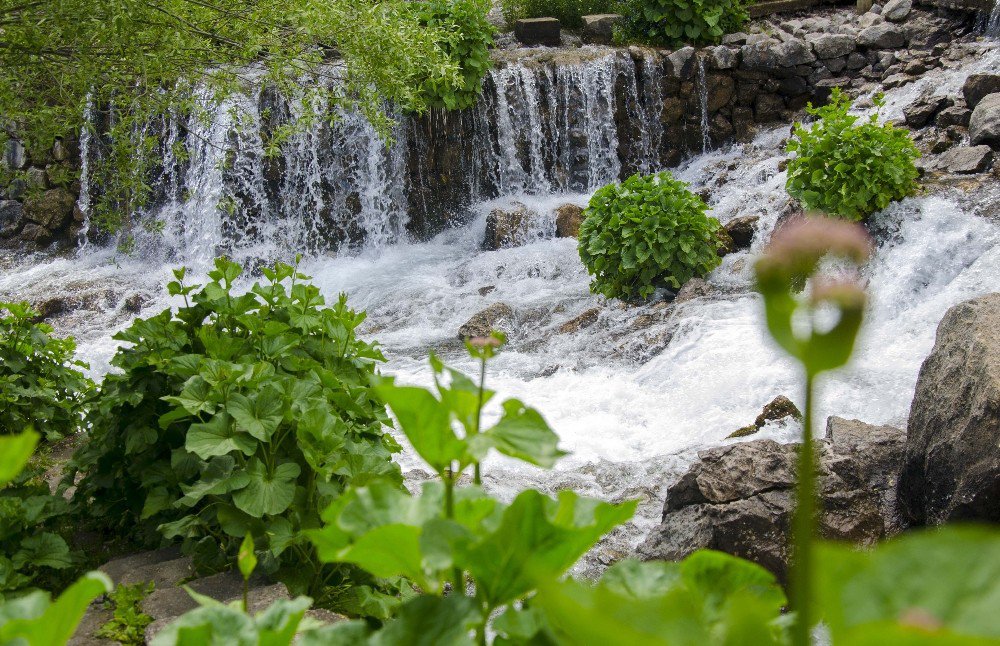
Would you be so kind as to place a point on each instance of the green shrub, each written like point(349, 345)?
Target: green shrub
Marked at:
point(569, 12)
point(676, 22)
point(40, 384)
point(644, 233)
point(848, 169)
point(469, 36)
point(237, 414)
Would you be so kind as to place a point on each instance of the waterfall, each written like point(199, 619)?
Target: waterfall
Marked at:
point(706, 142)
point(83, 201)
point(993, 22)
point(541, 126)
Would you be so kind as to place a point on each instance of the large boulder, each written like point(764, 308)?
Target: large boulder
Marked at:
point(920, 113)
point(952, 469)
point(963, 160)
point(984, 125)
point(978, 86)
point(742, 230)
point(52, 209)
point(509, 228)
point(740, 498)
point(829, 46)
point(569, 217)
point(897, 10)
point(538, 31)
point(498, 316)
point(599, 29)
point(883, 35)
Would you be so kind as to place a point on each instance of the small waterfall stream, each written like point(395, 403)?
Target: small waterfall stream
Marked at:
point(632, 395)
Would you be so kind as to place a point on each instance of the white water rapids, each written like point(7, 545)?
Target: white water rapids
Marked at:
point(633, 395)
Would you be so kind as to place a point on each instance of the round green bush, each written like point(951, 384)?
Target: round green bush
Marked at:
point(647, 232)
point(469, 36)
point(848, 169)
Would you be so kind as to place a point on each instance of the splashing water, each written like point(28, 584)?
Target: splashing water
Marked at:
point(632, 391)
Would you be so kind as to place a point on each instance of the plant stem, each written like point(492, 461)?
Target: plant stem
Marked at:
point(458, 579)
point(477, 477)
point(246, 595)
point(803, 526)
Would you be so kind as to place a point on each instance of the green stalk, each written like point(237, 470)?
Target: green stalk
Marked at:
point(803, 526)
point(458, 579)
point(477, 477)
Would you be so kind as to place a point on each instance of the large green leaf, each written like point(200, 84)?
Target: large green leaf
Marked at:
point(427, 425)
point(259, 415)
point(431, 621)
point(217, 479)
point(389, 551)
point(538, 539)
point(521, 433)
point(267, 493)
point(942, 583)
point(33, 621)
point(15, 451)
point(209, 626)
point(44, 549)
point(218, 437)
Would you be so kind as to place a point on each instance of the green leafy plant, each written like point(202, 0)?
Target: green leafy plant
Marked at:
point(644, 233)
point(237, 414)
point(474, 557)
point(850, 169)
point(40, 381)
point(793, 257)
point(676, 22)
point(127, 625)
point(569, 12)
point(467, 35)
point(32, 619)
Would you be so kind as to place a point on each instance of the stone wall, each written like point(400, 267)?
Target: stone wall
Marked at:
point(38, 199)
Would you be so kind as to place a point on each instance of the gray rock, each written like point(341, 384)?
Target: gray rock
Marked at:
point(881, 36)
point(569, 217)
point(768, 107)
point(984, 125)
point(897, 10)
point(956, 115)
point(963, 160)
point(538, 31)
point(897, 80)
point(869, 19)
point(919, 113)
point(683, 61)
point(11, 217)
point(952, 470)
point(36, 233)
point(37, 179)
point(118, 569)
point(599, 29)
point(580, 322)
point(739, 498)
point(15, 156)
point(722, 58)
point(978, 86)
point(692, 289)
point(53, 209)
point(508, 228)
point(498, 316)
point(768, 56)
point(856, 61)
point(742, 230)
point(829, 46)
point(737, 39)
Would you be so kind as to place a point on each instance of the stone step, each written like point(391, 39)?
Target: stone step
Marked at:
point(167, 604)
point(121, 569)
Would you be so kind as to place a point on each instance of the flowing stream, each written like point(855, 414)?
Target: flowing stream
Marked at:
point(633, 395)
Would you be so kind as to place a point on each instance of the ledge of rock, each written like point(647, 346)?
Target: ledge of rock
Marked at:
point(952, 469)
point(538, 31)
point(739, 498)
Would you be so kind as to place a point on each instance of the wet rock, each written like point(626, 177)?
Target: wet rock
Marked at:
point(599, 29)
point(952, 470)
point(897, 10)
point(737, 39)
point(11, 217)
point(897, 80)
point(569, 217)
point(694, 288)
point(919, 113)
point(829, 46)
point(881, 36)
point(779, 408)
point(742, 230)
point(856, 61)
point(720, 91)
point(35, 233)
point(746, 431)
point(956, 115)
point(483, 291)
point(538, 31)
point(37, 178)
point(978, 86)
point(772, 56)
point(739, 498)
point(727, 245)
point(682, 62)
point(15, 156)
point(768, 107)
point(498, 316)
point(508, 228)
point(53, 209)
point(964, 160)
point(585, 320)
point(984, 124)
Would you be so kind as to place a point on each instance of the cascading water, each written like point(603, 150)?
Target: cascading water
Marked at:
point(632, 391)
point(706, 142)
